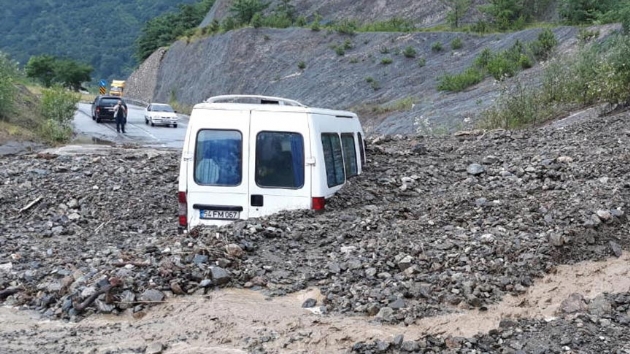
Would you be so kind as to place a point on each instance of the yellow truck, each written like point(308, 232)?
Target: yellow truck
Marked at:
point(117, 88)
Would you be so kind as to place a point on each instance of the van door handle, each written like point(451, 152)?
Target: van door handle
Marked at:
point(257, 200)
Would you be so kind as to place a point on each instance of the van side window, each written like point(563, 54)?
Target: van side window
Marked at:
point(333, 159)
point(361, 149)
point(349, 155)
point(218, 158)
point(279, 160)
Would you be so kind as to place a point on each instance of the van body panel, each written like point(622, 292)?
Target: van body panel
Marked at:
point(290, 132)
point(243, 160)
point(210, 162)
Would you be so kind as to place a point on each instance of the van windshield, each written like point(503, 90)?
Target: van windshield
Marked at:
point(279, 160)
point(218, 158)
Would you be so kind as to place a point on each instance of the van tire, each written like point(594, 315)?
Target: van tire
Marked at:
point(174, 125)
point(98, 119)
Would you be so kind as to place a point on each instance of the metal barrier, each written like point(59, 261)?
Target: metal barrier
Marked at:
point(135, 102)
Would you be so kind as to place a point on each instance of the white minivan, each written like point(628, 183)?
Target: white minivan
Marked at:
point(248, 156)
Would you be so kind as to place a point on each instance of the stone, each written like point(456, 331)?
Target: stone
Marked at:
point(490, 160)
point(152, 295)
point(200, 259)
point(405, 262)
point(398, 340)
point(574, 303)
point(410, 346)
point(604, 215)
point(599, 306)
point(398, 304)
point(616, 249)
point(475, 169)
point(154, 348)
point(385, 314)
point(310, 302)
point(220, 276)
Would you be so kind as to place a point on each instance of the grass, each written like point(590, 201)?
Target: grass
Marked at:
point(401, 105)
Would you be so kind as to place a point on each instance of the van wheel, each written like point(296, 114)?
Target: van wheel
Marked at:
point(93, 118)
point(98, 119)
point(174, 125)
point(146, 121)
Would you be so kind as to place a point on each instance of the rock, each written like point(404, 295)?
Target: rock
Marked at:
point(385, 314)
point(410, 346)
point(398, 304)
point(152, 295)
point(489, 160)
point(604, 215)
point(309, 303)
point(599, 306)
point(398, 340)
point(205, 283)
point(73, 204)
point(234, 250)
point(556, 239)
point(564, 159)
point(154, 348)
point(487, 238)
point(475, 169)
point(334, 268)
point(574, 303)
point(220, 276)
point(200, 259)
point(616, 249)
point(127, 299)
point(381, 346)
point(405, 262)
point(103, 307)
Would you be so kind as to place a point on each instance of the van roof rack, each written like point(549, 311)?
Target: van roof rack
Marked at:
point(254, 99)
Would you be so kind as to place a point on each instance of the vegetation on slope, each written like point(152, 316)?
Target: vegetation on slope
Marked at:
point(24, 115)
point(101, 33)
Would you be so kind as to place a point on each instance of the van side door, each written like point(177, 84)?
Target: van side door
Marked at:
point(279, 178)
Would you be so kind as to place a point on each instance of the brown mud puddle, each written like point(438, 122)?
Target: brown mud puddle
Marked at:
point(229, 320)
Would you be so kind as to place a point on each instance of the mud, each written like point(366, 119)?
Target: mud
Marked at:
point(236, 321)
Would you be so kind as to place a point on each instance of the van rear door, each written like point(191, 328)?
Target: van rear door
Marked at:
point(279, 179)
point(218, 172)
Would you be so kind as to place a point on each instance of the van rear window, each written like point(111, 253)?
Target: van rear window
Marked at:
point(361, 148)
point(279, 160)
point(218, 158)
point(333, 159)
point(349, 155)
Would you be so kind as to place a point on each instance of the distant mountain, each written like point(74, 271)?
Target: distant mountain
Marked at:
point(101, 33)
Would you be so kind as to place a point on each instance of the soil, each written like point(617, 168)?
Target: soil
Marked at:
point(226, 321)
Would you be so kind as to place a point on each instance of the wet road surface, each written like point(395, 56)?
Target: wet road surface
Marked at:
point(136, 131)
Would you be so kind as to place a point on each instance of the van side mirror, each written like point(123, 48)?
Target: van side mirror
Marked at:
point(175, 111)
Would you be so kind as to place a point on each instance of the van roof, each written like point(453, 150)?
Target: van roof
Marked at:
point(265, 103)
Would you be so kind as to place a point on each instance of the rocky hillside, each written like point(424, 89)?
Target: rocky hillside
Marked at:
point(435, 225)
point(366, 72)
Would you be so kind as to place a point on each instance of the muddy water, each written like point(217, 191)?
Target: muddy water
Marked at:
point(228, 320)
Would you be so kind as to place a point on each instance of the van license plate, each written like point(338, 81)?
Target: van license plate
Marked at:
point(220, 214)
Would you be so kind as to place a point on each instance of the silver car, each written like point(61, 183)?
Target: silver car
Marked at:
point(160, 114)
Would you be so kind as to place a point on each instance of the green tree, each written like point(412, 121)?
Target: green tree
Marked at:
point(507, 14)
point(458, 9)
point(584, 11)
point(244, 10)
point(8, 73)
point(72, 74)
point(42, 68)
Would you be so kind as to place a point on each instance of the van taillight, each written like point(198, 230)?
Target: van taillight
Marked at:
point(319, 203)
point(98, 109)
point(183, 209)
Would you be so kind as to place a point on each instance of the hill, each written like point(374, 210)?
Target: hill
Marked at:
point(101, 33)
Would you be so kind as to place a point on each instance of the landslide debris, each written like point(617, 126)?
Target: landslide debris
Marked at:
point(435, 225)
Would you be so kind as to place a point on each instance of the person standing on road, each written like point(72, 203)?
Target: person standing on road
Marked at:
point(120, 114)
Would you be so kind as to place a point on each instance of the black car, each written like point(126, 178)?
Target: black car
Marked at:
point(103, 108)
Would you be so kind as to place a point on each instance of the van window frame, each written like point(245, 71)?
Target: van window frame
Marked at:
point(195, 159)
point(361, 148)
point(354, 155)
point(303, 161)
point(334, 169)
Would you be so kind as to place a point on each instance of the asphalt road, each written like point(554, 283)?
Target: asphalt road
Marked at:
point(136, 131)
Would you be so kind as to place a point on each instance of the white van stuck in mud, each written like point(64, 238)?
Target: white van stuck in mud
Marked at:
point(250, 156)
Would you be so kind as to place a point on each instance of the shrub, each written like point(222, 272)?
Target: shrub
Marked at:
point(57, 107)
point(436, 47)
point(409, 52)
point(525, 62)
point(315, 25)
point(484, 58)
point(501, 67)
point(340, 51)
point(302, 65)
point(585, 35)
point(369, 79)
point(383, 49)
point(422, 62)
point(460, 82)
point(391, 25)
point(301, 21)
point(457, 43)
point(354, 60)
point(346, 27)
point(8, 74)
point(375, 85)
point(245, 10)
point(542, 47)
point(386, 61)
point(347, 44)
point(257, 20)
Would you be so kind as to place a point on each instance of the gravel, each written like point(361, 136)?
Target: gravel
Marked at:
point(419, 234)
